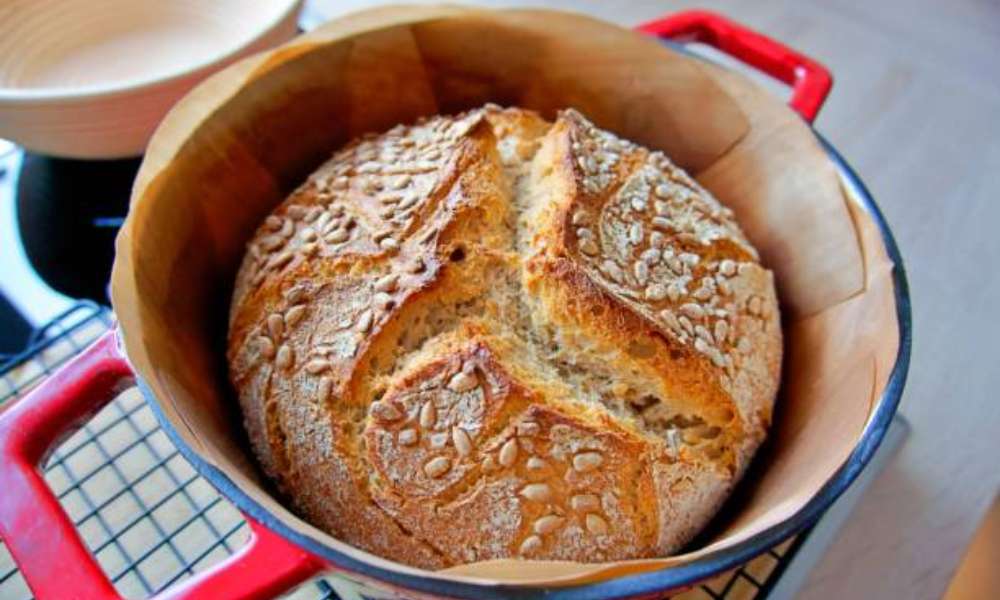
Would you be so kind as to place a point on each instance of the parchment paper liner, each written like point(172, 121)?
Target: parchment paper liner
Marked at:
point(239, 142)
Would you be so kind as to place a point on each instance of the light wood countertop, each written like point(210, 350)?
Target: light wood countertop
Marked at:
point(915, 109)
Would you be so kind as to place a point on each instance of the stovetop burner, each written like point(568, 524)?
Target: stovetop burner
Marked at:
point(68, 213)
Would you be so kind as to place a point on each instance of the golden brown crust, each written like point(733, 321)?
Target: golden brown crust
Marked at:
point(489, 336)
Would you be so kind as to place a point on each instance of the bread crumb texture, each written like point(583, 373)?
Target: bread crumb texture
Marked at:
point(489, 336)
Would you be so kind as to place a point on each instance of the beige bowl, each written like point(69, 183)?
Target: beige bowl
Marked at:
point(93, 78)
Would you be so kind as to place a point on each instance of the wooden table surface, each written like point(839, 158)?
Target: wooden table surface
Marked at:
point(916, 109)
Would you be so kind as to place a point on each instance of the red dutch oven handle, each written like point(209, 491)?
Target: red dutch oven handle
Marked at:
point(40, 535)
point(810, 81)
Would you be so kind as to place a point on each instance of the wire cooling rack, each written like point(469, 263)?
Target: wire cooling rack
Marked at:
point(151, 521)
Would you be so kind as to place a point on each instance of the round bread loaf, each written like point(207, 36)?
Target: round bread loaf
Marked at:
point(489, 336)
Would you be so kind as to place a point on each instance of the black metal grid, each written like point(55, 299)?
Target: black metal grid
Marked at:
point(138, 505)
point(151, 521)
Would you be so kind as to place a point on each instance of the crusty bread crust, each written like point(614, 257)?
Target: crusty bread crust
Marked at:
point(491, 336)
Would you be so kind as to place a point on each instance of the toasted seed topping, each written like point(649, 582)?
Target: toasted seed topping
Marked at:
point(662, 223)
point(724, 286)
point(369, 167)
point(273, 223)
point(417, 266)
point(536, 464)
point(272, 242)
point(580, 218)
point(692, 310)
point(462, 441)
point(674, 439)
point(588, 246)
point(317, 366)
point(409, 201)
point(595, 524)
point(686, 324)
point(323, 389)
point(322, 222)
point(429, 235)
point(641, 271)
point(296, 295)
point(671, 320)
point(386, 411)
point(364, 322)
point(587, 461)
point(437, 466)
point(462, 382)
point(508, 452)
point(527, 428)
point(676, 265)
point(285, 358)
point(612, 270)
point(650, 256)
point(547, 524)
point(266, 346)
point(387, 283)
point(721, 331)
point(537, 492)
point(428, 415)
point(531, 545)
point(635, 233)
point(585, 502)
point(407, 437)
point(280, 260)
point(383, 301)
point(727, 267)
point(294, 315)
point(337, 236)
point(656, 292)
point(717, 358)
point(389, 244)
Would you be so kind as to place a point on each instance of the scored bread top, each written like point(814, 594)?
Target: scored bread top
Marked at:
point(489, 336)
